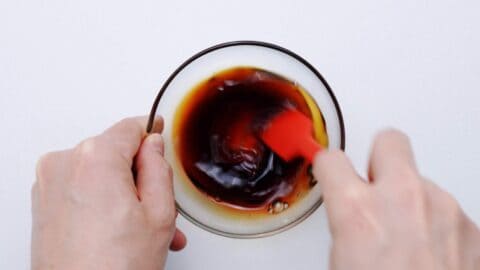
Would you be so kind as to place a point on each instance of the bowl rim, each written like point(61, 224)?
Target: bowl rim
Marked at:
point(268, 46)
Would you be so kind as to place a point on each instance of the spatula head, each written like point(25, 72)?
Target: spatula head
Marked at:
point(285, 132)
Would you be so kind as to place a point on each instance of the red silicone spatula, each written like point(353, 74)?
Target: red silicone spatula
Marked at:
point(290, 134)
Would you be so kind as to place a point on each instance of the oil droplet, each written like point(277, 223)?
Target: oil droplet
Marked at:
point(277, 207)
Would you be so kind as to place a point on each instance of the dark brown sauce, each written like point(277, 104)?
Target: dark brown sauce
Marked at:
point(216, 131)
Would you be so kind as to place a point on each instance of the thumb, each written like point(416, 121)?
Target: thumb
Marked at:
point(154, 180)
point(340, 186)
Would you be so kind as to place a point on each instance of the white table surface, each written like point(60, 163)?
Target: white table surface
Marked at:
point(68, 69)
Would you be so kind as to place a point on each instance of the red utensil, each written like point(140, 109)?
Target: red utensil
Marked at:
point(290, 134)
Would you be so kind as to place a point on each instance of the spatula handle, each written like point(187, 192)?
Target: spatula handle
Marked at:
point(309, 148)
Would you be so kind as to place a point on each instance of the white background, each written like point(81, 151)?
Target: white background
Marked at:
point(68, 69)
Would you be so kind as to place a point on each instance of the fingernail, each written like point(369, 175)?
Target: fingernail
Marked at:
point(156, 141)
point(157, 125)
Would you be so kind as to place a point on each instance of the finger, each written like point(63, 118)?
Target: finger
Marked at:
point(52, 165)
point(179, 241)
point(391, 157)
point(154, 179)
point(127, 135)
point(335, 174)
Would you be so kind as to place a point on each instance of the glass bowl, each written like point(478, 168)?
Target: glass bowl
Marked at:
point(191, 202)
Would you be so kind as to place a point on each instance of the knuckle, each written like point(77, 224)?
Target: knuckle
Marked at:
point(44, 164)
point(352, 196)
point(86, 147)
point(87, 152)
point(127, 211)
point(165, 219)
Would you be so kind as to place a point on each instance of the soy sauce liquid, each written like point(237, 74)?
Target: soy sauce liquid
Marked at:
point(216, 129)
